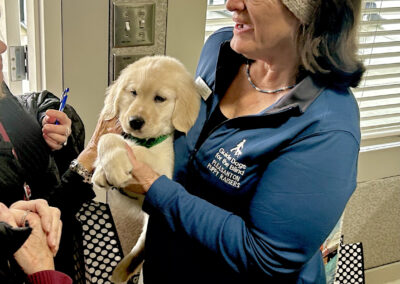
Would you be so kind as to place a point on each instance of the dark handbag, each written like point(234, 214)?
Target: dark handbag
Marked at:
point(350, 264)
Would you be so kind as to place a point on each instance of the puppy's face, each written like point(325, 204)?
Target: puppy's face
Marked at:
point(146, 107)
point(147, 97)
point(152, 97)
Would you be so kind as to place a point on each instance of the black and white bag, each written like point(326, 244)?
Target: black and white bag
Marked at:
point(101, 246)
point(350, 264)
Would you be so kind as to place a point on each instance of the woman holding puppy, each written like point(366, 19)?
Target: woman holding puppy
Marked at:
point(265, 173)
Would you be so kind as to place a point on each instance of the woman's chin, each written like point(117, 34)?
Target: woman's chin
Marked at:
point(241, 47)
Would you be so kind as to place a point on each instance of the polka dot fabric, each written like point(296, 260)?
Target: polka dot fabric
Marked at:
point(350, 265)
point(101, 247)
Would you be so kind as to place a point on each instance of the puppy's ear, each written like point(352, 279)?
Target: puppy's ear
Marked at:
point(111, 109)
point(187, 105)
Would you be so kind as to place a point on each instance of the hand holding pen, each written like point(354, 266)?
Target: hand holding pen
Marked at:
point(56, 125)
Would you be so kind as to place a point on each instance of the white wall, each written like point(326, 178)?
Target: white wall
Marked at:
point(85, 46)
point(185, 30)
point(379, 163)
point(51, 49)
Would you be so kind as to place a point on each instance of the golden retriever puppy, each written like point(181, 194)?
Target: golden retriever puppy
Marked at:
point(152, 98)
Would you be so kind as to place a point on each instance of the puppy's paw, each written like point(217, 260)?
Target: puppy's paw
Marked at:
point(129, 266)
point(99, 179)
point(118, 171)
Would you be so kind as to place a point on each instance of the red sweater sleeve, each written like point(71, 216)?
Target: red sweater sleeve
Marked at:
point(49, 277)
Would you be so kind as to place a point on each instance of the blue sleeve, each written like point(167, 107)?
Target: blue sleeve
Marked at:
point(299, 199)
point(296, 204)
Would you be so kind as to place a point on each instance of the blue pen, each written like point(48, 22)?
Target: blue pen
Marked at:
point(63, 101)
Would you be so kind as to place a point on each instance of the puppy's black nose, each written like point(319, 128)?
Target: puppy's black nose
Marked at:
point(136, 122)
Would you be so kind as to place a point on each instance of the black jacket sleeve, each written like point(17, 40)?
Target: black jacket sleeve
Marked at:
point(11, 239)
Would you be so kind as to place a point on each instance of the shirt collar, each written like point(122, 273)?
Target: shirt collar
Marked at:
point(300, 96)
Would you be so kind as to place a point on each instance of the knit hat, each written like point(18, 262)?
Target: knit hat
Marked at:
point(302, 9)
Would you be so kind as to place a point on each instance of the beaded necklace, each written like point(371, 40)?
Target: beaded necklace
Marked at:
point(261, 90)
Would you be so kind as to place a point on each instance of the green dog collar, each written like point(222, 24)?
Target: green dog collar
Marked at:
point(148, 143)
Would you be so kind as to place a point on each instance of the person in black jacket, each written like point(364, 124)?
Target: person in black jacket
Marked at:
point(35, 163)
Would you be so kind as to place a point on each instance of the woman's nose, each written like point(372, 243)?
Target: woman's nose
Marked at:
point(234, 5)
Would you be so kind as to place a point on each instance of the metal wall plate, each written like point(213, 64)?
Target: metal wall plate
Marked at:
point(121, 61)
point(133, 24)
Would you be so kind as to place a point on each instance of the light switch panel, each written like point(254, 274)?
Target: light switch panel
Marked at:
point(133, 24)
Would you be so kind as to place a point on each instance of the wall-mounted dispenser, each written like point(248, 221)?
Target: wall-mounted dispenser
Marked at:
point(137, 29)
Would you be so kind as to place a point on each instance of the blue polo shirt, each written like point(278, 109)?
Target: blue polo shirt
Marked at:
point(254, 200)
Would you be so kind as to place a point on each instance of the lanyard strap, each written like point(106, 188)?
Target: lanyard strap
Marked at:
point(3, 133)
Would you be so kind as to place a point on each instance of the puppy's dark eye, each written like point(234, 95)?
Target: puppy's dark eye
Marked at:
point(159, 99)
point(133, 93)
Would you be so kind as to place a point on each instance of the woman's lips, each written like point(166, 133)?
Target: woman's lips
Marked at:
point(243, 27)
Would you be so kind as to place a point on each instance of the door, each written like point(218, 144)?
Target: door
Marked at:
point(19, 26)
point(11, 34)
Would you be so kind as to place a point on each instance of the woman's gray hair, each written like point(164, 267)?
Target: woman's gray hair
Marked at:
point(328, 46)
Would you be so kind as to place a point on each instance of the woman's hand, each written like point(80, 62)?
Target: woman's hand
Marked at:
point(50, 219)
point(56, 135)
point(89, 154)
point(104, 126)
point(142, 172)
point(34, 255)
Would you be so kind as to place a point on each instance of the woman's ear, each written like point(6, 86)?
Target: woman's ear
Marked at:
point(187, 106)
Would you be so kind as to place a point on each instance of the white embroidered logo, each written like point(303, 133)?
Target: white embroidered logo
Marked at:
point(226, 168)
point(238, 149)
